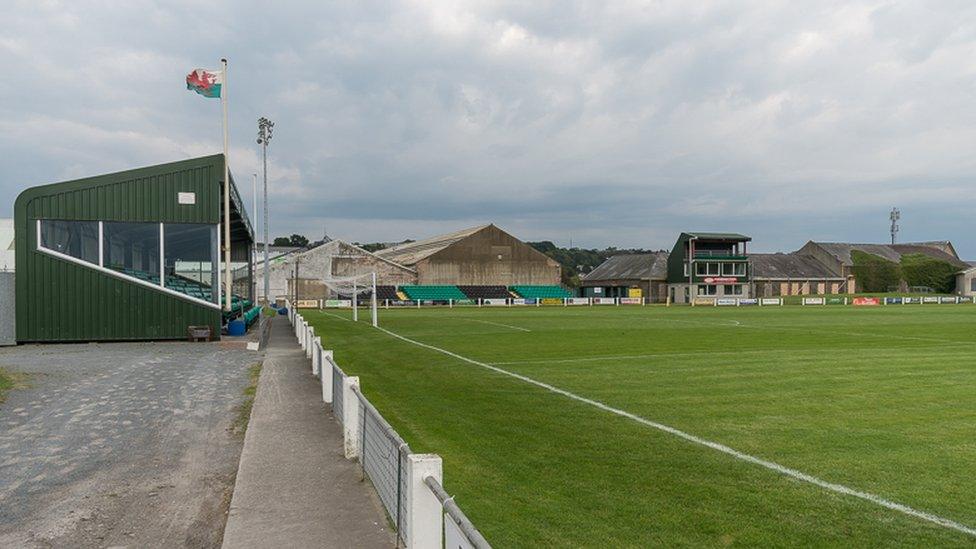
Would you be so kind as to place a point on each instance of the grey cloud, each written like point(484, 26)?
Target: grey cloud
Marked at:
point(608, 123)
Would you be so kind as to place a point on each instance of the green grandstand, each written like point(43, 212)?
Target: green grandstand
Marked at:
point(433, 293)
point(541, 292)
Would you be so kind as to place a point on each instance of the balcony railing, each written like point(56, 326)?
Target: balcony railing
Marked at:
point(719, 254)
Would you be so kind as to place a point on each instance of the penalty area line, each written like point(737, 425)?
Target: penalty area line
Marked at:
point(772, 466)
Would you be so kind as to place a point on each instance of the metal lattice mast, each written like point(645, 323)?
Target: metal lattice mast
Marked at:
point(895, 216)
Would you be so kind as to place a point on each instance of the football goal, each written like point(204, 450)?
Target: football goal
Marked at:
point(357, 289)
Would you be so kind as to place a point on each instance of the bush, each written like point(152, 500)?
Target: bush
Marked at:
point(874, 273)
point(922, 270)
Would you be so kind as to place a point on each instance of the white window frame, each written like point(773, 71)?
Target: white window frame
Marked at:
point(734, 288)
point(705, 287)
point(100, 267)
point(707, 266)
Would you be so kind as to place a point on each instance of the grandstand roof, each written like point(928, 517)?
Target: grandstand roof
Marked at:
point(412, 252)
point(786, 266)
point(652, 266)
point(892, 252)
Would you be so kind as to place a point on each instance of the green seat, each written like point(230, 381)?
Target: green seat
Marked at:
point(541, 292)
point(433, 293)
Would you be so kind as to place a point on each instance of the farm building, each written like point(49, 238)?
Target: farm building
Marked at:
point(484, 255)
point(966, 281)
point(334, 259)
point(793, 274)
point(629, 275)
point(837, 258)
point(109, 257)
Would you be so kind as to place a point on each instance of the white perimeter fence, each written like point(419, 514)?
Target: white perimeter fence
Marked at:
point(700, 301)
point(408, 484)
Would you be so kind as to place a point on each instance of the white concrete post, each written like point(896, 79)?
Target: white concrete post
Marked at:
point(326, 377)
point(316, 356)
point(425, 517)
point(350, 416)
point(311, 338)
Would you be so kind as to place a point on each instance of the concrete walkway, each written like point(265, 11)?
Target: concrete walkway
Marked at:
point(294, 486)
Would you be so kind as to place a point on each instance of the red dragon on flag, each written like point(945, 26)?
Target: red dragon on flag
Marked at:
point(206, 83)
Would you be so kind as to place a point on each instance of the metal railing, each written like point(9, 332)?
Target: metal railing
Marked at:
point(456, 515)
point(382, 454)
point(408, 485)
point(337, 376)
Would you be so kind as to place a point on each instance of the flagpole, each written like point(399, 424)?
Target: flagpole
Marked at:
point(227, 274)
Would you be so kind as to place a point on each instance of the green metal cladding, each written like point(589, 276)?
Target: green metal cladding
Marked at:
point(61, 301)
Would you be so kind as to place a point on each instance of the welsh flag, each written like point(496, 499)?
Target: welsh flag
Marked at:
point(205, 82)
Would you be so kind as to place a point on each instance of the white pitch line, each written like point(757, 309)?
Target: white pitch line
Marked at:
point(604, 358)
point(336, 316)
point(496, 324)
point(792, 473)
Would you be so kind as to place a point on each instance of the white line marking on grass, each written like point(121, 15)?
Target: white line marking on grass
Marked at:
point(792, 473)
point(335, 316)
point(879, 353)
point(496, 324)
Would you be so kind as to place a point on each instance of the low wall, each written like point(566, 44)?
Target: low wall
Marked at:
point(8, 309)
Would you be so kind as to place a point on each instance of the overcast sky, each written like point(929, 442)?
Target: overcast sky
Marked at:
point(608, 123)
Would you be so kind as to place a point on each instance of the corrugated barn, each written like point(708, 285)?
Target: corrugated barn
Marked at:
point(621, 275)
point(335, 259)
point(107, 257)
point(484, 255)
point(793, 274)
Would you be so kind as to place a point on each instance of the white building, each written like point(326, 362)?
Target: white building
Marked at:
point(7, 258)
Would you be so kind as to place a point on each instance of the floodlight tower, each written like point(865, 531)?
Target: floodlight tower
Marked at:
point(895, 216)
point(265, 128)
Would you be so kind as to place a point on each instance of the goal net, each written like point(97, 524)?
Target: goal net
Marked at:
point(359, 289)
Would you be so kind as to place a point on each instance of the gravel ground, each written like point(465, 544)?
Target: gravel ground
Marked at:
point(121, 444)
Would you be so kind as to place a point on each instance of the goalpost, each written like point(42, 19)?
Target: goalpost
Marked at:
point(353, 287)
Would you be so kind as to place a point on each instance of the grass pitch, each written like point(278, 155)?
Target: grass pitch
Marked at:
point(879, 400)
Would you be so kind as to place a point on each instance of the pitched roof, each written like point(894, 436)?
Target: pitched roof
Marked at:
point(793, 265)
point(720, 236)
point(892, 252)
point(412, 252)
point(330, 248)
point(653, 266)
